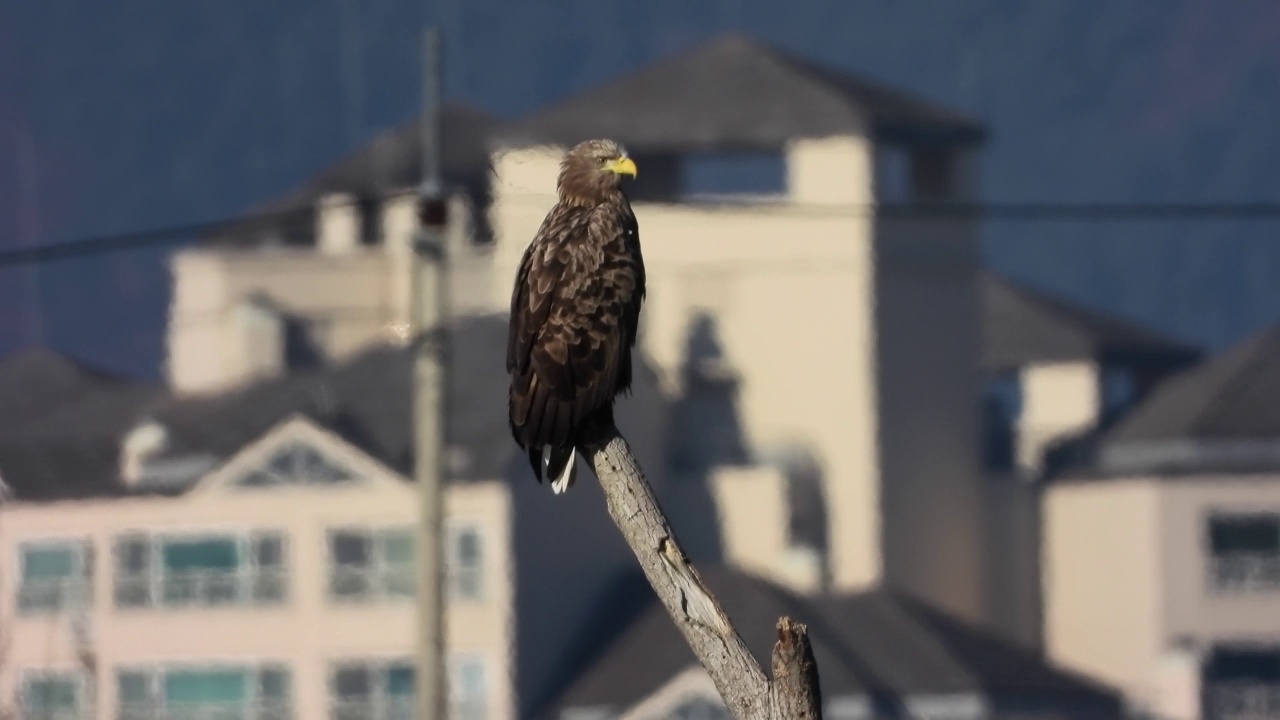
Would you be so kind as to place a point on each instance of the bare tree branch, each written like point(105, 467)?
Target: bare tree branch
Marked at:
point(747, 693)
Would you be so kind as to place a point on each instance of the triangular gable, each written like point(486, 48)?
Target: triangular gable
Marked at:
point(302, 451)
point(690, 684)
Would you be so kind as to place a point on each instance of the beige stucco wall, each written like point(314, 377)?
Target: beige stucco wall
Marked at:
point(308, 631)
point(1103, 578)
point(1058, 399)
point(348, 293)
point(359, 294)
point(1126, 580)
point(854, 340)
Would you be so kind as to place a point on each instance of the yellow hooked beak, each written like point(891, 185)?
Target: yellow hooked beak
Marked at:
point(623, 166)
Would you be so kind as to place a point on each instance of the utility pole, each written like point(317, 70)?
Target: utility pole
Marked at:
point(428, 318)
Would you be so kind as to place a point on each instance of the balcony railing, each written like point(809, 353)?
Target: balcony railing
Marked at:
point(1244, 701)
point(202, 588)
point(206, 711)
point(51, 595)
point(48, 714)
point(1244, 572)
point(400, 708)
point(394, 708)
point(357, 582)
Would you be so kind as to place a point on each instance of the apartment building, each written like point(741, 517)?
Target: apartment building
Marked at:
point(815, 356)
point(1177, 515)
point(252, 552)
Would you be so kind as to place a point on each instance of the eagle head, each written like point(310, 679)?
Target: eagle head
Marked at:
point(592, 171)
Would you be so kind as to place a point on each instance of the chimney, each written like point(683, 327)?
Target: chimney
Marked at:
point(337, 224)
point(141, 443)
point(754, 508)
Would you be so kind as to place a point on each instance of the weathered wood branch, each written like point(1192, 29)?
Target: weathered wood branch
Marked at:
point(794, 692)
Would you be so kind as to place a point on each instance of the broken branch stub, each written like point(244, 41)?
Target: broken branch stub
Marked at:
point(793, 694)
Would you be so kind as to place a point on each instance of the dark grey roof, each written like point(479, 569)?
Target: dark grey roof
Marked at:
point(1022, 325)
point(366, 400)
point(391, 162)
point(1234, 395)
point(879, 644)
point(735, 92)
point(60, 422)
point(36, 383)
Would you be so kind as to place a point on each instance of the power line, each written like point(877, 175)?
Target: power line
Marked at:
point(1079, 212)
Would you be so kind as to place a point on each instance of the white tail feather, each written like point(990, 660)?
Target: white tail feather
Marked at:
point(565, 479)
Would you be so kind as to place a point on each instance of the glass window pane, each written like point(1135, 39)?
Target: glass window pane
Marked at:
point(1245, 534)
point(274, 684)
point(468, 547)
point(468, 678)
point(219, 554)
point(352, 682)
point(132, 688)
point(47, 563)
point(209, 686)
point(400, 680)
point(351, 548)
point(268, 551)
point(398, 548)
point(132, 555)
point(49, 694)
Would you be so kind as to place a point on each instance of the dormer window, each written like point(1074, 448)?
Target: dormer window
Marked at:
point(298, 463)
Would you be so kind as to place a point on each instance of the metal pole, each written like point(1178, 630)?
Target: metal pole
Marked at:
point(427, 326)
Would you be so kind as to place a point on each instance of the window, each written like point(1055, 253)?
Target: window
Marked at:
point(1242, 682)
point(372, 690)
point(51, 695)
point(365, 564)
point(468, 691)
point(54, 575)
point(466, 563)
point(297, 463)
point(1244, 551)
point(202, 571)
point(240, 692)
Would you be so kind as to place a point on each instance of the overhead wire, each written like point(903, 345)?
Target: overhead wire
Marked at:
point(195, 233)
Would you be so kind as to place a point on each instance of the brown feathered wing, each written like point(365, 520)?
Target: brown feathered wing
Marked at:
point(574, 314)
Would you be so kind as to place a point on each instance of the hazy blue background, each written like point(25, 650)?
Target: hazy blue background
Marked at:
point(132, 114)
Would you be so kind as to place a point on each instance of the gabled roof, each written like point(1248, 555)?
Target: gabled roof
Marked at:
point(390, 162)
point(1233, 395)
point(366, 400)
point(735, 92)
point(1022, 325)
point(878, 644)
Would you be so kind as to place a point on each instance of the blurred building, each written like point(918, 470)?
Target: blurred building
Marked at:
point(251, 553)
point(1162, 551)
point(880, 654)
point(836, 399)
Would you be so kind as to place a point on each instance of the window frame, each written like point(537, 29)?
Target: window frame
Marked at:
point(455, 574)
point(379, 704)
point(81, 578)
point(294, 445)
point(74, 675)
point(157, 704)
point(1237, 573)
point(455, 664)
point(379, 576)
point(246, 579)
